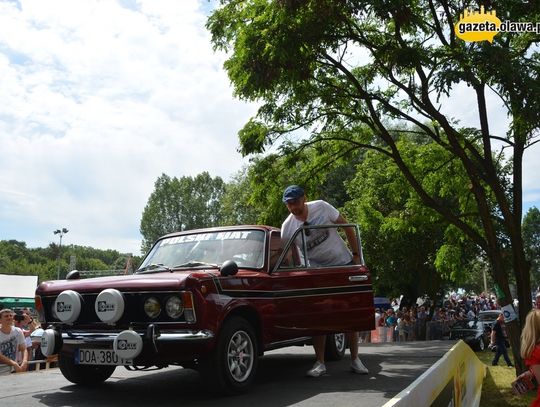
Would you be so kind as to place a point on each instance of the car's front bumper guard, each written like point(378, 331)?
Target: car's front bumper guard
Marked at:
point(152, 336)
point(78, 338)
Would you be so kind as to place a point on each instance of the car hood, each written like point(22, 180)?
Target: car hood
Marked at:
point(133, 282)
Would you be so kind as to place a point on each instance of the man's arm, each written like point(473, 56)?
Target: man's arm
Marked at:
point(23, 367)
point(7, 361)
point(351, 238)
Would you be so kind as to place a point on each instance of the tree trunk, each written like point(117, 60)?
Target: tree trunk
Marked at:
point(504, 298)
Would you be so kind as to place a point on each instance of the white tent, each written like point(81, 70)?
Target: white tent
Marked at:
point(15, 286)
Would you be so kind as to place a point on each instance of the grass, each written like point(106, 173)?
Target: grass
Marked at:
point(496, 388)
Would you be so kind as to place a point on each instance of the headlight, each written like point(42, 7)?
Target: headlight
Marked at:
point(174, 307)
point(152, 307)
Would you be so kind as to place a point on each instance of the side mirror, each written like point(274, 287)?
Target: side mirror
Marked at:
point(229, 268)
point(73, 275)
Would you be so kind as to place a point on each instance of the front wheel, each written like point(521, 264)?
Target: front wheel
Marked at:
point(232, 366)
point(83, 374)
point(335, 347)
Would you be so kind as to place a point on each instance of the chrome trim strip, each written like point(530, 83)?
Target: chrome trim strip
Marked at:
point(78, 338)
point(358, 278)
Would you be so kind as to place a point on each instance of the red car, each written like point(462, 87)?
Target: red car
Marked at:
point(211, 299)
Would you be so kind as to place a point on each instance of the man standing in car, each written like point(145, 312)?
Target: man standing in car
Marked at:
point(325, 247)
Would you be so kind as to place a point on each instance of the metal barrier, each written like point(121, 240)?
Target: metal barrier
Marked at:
point(437, 330)
point(43, 364)
point(423, 330)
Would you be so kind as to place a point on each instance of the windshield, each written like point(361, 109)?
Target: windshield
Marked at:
point(245, 247)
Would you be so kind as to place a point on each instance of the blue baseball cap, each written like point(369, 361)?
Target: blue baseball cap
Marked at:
point(292, 192)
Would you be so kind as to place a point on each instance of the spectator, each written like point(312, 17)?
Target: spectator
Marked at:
point(400, 327)
point(11, 342)
point(25, 323)
point(498, 339)
point(391, 323)
point(411, 326)
point(421, 319)
point(530, 347)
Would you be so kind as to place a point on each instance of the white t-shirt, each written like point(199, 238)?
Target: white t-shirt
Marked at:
point(325, 246)
point(9, 345)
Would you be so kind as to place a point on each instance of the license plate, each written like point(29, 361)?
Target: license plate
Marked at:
point(100, 357)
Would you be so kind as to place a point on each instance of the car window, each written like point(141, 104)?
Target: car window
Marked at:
point(325, 245)
point(245, 247)
point(292, 259)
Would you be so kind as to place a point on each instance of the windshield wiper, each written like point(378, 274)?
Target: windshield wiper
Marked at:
point(154, 268)
point(195, 263)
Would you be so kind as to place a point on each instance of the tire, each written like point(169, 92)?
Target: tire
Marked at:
point(335, 346)
point(83, 374)
point(232, 366)
point(481, 346)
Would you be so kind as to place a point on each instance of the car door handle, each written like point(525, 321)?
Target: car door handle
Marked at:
point(358, 278)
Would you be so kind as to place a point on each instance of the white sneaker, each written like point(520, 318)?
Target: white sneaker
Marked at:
point(358, 367)
point(317, 370)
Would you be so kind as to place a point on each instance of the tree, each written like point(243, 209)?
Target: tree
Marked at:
point(16, 258)
point(180, 204)
point(335, 68)
point(237, 207)
point(531, 237)
point(410, 249)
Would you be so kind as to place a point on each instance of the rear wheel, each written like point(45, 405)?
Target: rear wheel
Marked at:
point(83, 374)
point(232, 366)
point(335, 346)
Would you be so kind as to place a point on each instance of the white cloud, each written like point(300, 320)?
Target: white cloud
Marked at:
point(98, 101)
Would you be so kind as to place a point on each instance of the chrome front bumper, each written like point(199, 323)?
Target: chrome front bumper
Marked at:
point(73, 337)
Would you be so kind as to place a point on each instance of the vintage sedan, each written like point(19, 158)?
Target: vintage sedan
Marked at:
point(473, 332)
point(213, 299)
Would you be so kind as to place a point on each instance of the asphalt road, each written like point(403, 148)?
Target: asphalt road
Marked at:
point(281, 381)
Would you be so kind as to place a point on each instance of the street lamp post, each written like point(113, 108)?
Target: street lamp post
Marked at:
point(60, 232)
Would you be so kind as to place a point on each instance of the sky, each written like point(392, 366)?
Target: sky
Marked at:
point(99, 98)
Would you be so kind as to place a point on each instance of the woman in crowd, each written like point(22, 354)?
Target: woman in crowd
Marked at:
point(530, 347)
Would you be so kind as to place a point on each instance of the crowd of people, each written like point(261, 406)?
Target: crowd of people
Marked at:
point(426, 322)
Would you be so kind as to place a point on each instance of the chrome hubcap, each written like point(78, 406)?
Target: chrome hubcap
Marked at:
point(340, 342)
point(240, 356)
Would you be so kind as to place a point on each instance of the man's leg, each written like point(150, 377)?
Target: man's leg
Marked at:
point(505, 355)
point(497, 356)
point(319, 343)
point(318, 368)
point(352, 341)
point(356, 364)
